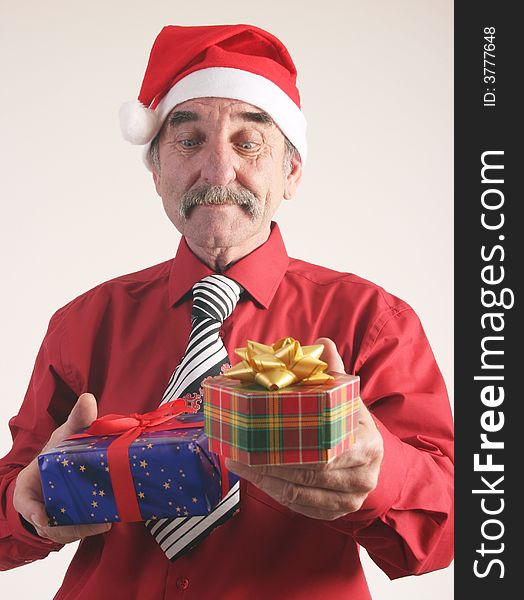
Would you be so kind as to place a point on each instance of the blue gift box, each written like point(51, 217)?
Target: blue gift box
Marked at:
point(174, 475)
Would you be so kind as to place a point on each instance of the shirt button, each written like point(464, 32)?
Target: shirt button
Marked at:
point(182, 583)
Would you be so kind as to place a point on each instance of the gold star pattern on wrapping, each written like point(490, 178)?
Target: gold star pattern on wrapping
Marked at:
point(141, 495)
point(143, 464)
point(94, 504)
point(82, 468)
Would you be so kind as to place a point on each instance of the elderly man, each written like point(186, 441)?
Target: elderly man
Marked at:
point(219, 117)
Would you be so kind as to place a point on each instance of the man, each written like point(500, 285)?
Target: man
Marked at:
point(219, 116)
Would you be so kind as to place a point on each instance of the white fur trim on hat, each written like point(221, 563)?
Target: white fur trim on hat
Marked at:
point(225, 82)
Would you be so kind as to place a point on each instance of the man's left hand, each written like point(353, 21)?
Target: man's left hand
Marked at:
point(325, 491)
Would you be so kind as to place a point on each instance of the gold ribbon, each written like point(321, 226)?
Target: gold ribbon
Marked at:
point(283, 363)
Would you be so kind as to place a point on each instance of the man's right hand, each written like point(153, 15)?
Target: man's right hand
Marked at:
point(28, 499)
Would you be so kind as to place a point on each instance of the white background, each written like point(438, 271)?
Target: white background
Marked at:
point(78, 207)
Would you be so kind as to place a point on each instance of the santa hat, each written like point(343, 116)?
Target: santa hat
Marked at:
point(241, 62)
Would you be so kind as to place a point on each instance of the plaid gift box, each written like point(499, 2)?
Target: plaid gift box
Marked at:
point(171, 474)
point(297, 424)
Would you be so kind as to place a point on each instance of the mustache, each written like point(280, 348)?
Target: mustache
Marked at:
point(218, 194)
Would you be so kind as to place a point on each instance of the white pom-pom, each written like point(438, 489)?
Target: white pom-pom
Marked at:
point(138, 123)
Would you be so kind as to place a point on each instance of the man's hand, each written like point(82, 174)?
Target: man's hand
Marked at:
point(27, 497)
point(325, 491)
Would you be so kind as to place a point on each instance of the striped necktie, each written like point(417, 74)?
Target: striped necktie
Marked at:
point(214, 299)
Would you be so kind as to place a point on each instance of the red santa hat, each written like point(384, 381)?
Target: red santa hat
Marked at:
point(241, 62)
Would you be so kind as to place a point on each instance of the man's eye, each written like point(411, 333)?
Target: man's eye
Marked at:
point(248, 145)
point(188, 143)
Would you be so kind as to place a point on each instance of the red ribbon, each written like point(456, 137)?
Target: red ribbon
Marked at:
point(128, 428)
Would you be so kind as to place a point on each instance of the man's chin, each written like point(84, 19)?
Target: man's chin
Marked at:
point(220, 225)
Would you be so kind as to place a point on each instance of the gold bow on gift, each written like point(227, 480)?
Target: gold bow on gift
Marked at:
point(283, 363)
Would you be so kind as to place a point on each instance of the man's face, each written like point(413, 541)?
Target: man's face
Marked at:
point(220, 173)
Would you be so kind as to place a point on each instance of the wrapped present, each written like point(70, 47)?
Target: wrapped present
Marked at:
point(134, 468)
point(280, 406)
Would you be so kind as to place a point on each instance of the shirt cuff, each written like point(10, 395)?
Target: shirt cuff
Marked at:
point(391, 479)
point(25, 533)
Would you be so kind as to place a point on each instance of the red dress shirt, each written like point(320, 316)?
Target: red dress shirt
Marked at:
point(122, 340)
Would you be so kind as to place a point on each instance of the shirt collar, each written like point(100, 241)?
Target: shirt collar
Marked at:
point(259, 273)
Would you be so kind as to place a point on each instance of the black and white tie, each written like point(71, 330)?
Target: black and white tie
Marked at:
point(214, 299)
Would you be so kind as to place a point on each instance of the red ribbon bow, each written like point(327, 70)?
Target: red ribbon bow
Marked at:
point(128, 428)
point(128, 425)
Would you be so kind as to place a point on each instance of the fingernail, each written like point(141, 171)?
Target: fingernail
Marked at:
point(34, 521)
point(37, 523)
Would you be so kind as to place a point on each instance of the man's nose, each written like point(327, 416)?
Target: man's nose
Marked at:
point(219, 164)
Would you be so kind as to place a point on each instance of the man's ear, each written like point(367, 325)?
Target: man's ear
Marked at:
point(294, 177)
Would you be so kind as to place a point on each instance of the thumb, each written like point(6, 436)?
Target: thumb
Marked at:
point(84, 412)
point(330, 355)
